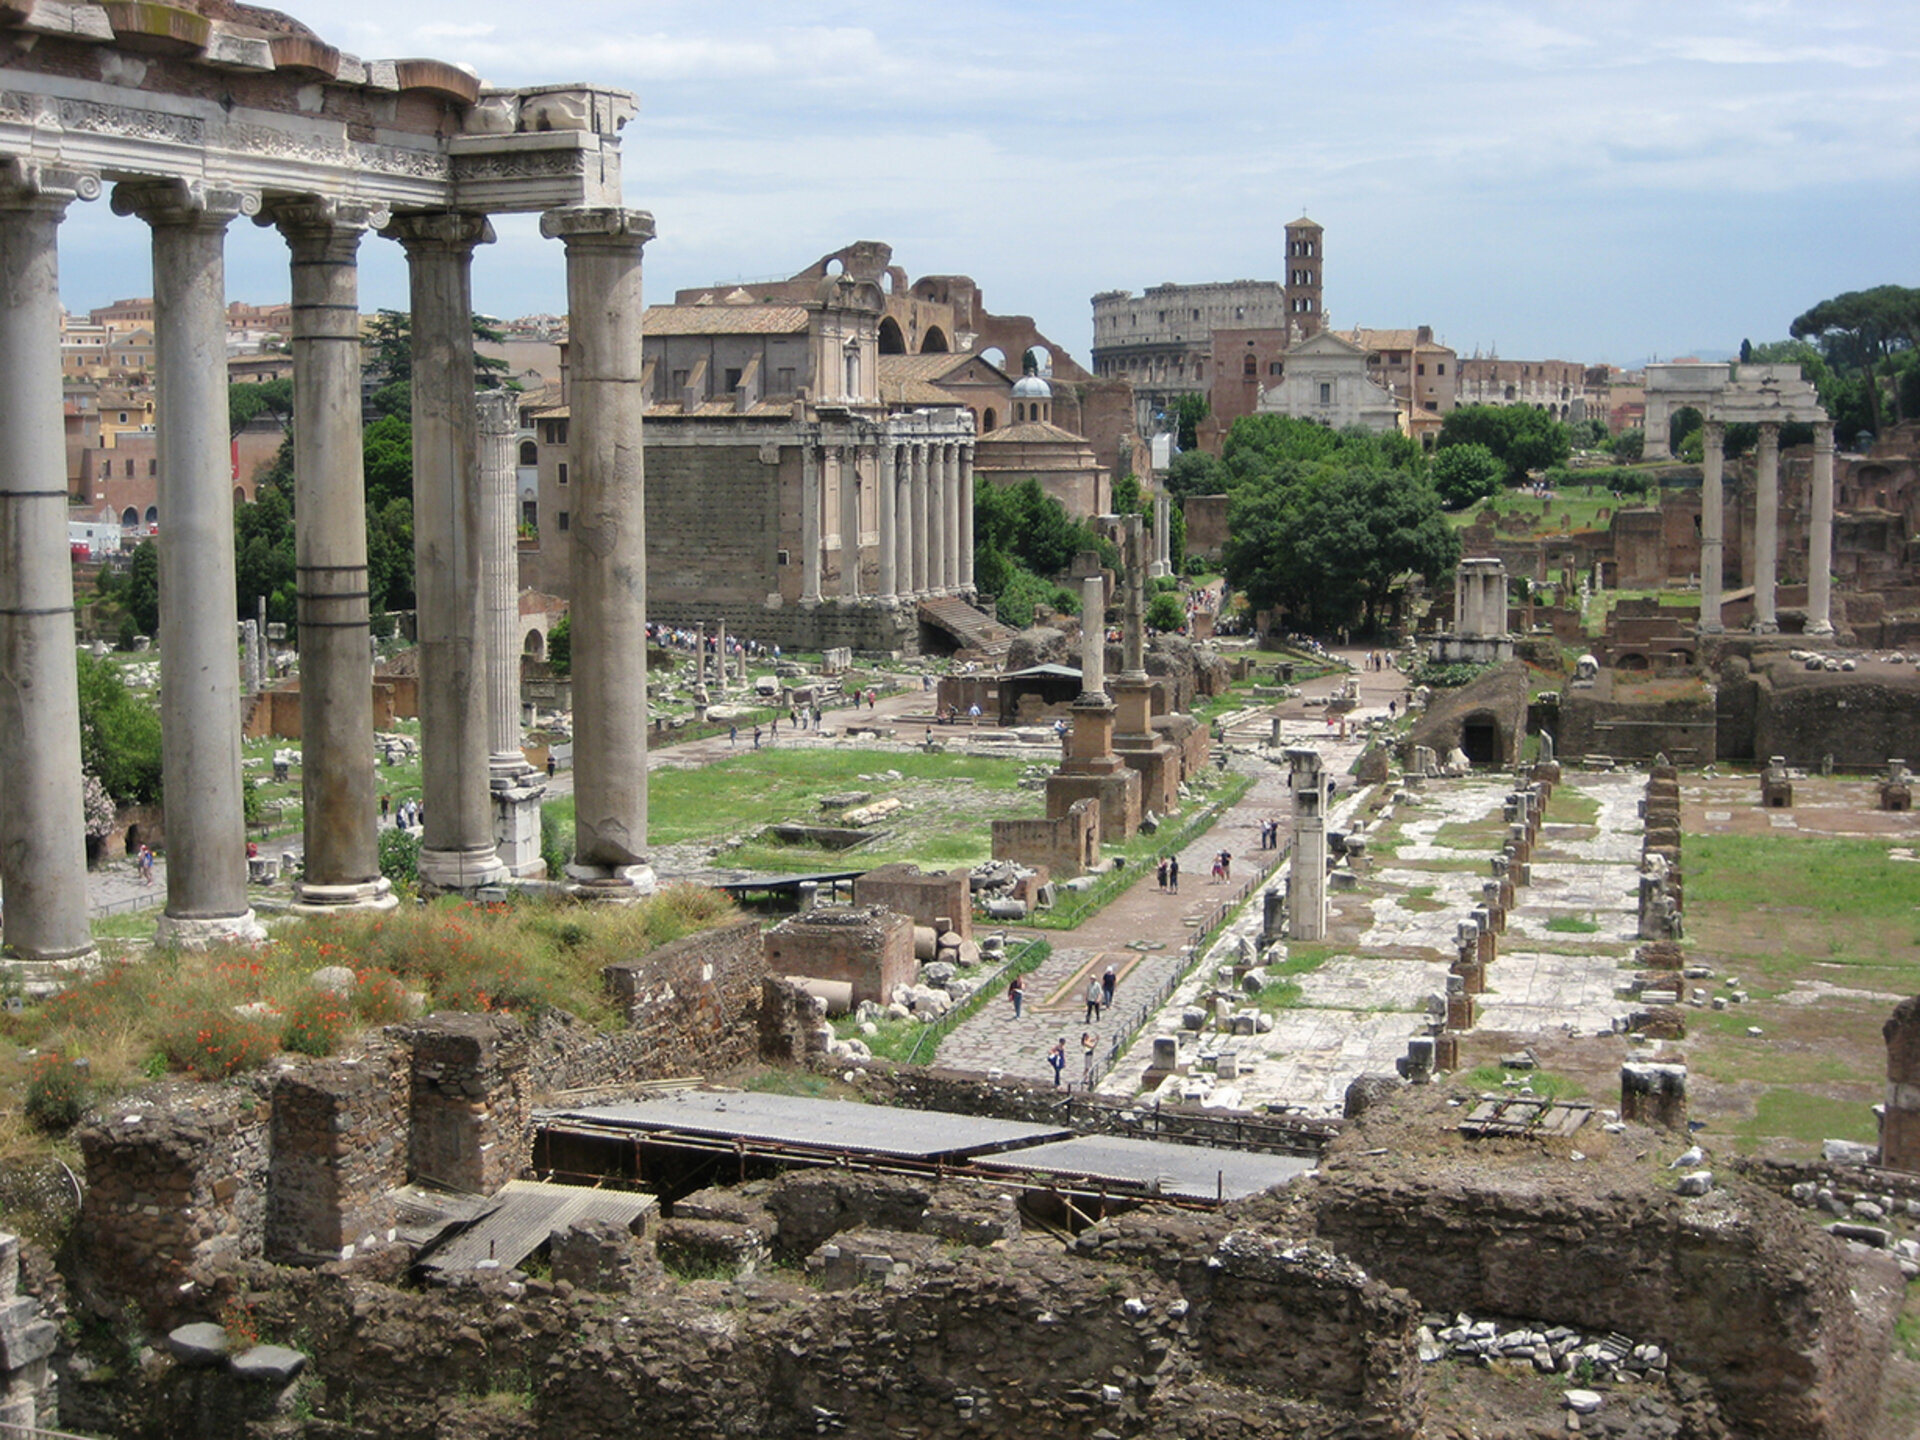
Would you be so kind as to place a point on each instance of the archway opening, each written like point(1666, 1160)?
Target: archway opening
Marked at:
point(536, 646)
point(935, 341)
point(892, 341)
point(1480, 739)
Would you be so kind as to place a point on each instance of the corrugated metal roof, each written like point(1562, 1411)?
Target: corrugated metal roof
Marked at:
point(524, 1214)
point(1187, 1172)
point(724, 320)
point(803, 1123)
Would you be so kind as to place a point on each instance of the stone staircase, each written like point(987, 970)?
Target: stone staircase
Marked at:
point(979, 636)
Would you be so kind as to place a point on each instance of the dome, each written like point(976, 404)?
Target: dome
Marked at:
point(1032, 387)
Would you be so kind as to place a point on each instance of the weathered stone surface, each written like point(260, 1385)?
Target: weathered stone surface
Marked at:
point(198, 1344)
point(272, 1363)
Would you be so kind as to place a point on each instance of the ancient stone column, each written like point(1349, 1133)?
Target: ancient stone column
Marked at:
point(330, 559)
point(903, 521)
point(966, 518)
point(1766, 531)
point(199, 665)
point(1463, 619)
point(449, 541)
point(515, 786)
point(1820, 541)
point(809, 524)
point(1133, 662)
point(604, 307)
point(43, 847)
point(889, 540)
point(1093, 641)
point(1162, 537)
point(921, 513)
point(1307, 877)
point(1713, 528)
point(845, 467)
point(936, 518)
point(950, 518)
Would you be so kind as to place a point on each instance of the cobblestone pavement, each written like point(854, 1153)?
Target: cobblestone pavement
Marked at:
point(1358, 1009)
point(1144, 934)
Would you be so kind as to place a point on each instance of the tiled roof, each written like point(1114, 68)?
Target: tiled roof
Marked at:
point(725, 320)
point(1032, 432)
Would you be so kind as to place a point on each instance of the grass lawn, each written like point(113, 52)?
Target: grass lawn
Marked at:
point(948, 801)
point(1824, 935)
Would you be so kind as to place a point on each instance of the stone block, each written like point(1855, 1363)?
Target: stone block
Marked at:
point(275, 1364)
point(199, 1344)
point(1654, 1094)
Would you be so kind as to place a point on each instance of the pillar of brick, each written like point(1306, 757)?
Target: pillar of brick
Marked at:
point(1900, 1122)
point(472, 1123)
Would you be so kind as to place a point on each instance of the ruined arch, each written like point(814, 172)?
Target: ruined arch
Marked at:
point(934, 342)
point(892, 340)
point(535, 645)
point(1480, 737)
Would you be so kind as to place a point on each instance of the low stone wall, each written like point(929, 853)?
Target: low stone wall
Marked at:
point(923, 897)
point(867, 948)
point(1790, 1331)
point(176, 1182)
point(692, 1008)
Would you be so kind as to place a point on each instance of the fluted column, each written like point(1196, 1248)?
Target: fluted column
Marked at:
point(449, 541)
point(1713, 527)
point(500, 579)
point(1820, 542)
point(338, 803)
point(950, 517)
point(889, 541)
point(809, 524)
point(604, 309)
point(43, 847)
point(936, 527)
point(199, 665)
point(903, 522)
point(1766, 532)
point(921, 514)
point(845, 463)
point(966, 518)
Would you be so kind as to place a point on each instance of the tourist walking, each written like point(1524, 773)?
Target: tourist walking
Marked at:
point(145, 862)
point(1017, 992)
point(1089, 1047)
point(1095, 995)
point(1057, 1058)
point(1162, 872)
point(1173, 874)
point(1108, 982)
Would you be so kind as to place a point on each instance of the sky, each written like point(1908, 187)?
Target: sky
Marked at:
point(1600, 183)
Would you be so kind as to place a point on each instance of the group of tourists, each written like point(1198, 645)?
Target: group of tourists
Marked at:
point(1169, 874)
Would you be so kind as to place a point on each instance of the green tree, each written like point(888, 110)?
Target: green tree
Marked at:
point(1630, 445)
point(1126, 494)
point(1188, 412)
point(1194, 472)
point(1682, 423)
point(386, 452)
point(389, 351)
point(141, 593)
point(119, 734)
point(1522, 437)
point(1329, 540)
point(263, 562)
point(1462, 474)
point(1166, 613)
point(560, 645)
point(1862, 329)
point(269, 397)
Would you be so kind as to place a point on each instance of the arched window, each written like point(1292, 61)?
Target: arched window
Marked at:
point(1250, 367)
point(988, 421)
point(529, 453)
point(153, 514)
point(129, 517)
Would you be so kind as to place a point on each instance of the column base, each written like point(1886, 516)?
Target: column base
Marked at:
point(1820, 627)
point(1766, 627)
point(1713, 628)
point(460, 871)
point(611, 884)
point(313, 899)
point(197, 932)
point(39, 978)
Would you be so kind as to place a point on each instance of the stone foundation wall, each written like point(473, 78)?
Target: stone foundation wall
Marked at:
point(176, 1181)
point(1685, 730)
point(1735, 1285)
point(692, 1008)
point(1857, 720)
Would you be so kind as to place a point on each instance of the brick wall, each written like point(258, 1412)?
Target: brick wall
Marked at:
point(470, 1117)
point(866, 947)
point(936, 895)
point(1064, 846)
point(338, 1146)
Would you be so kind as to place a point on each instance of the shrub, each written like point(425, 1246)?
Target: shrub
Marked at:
point(315, 1023)
point(380, 997)
point(400, 856)
point(213, 1044)
point(57, 1093)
